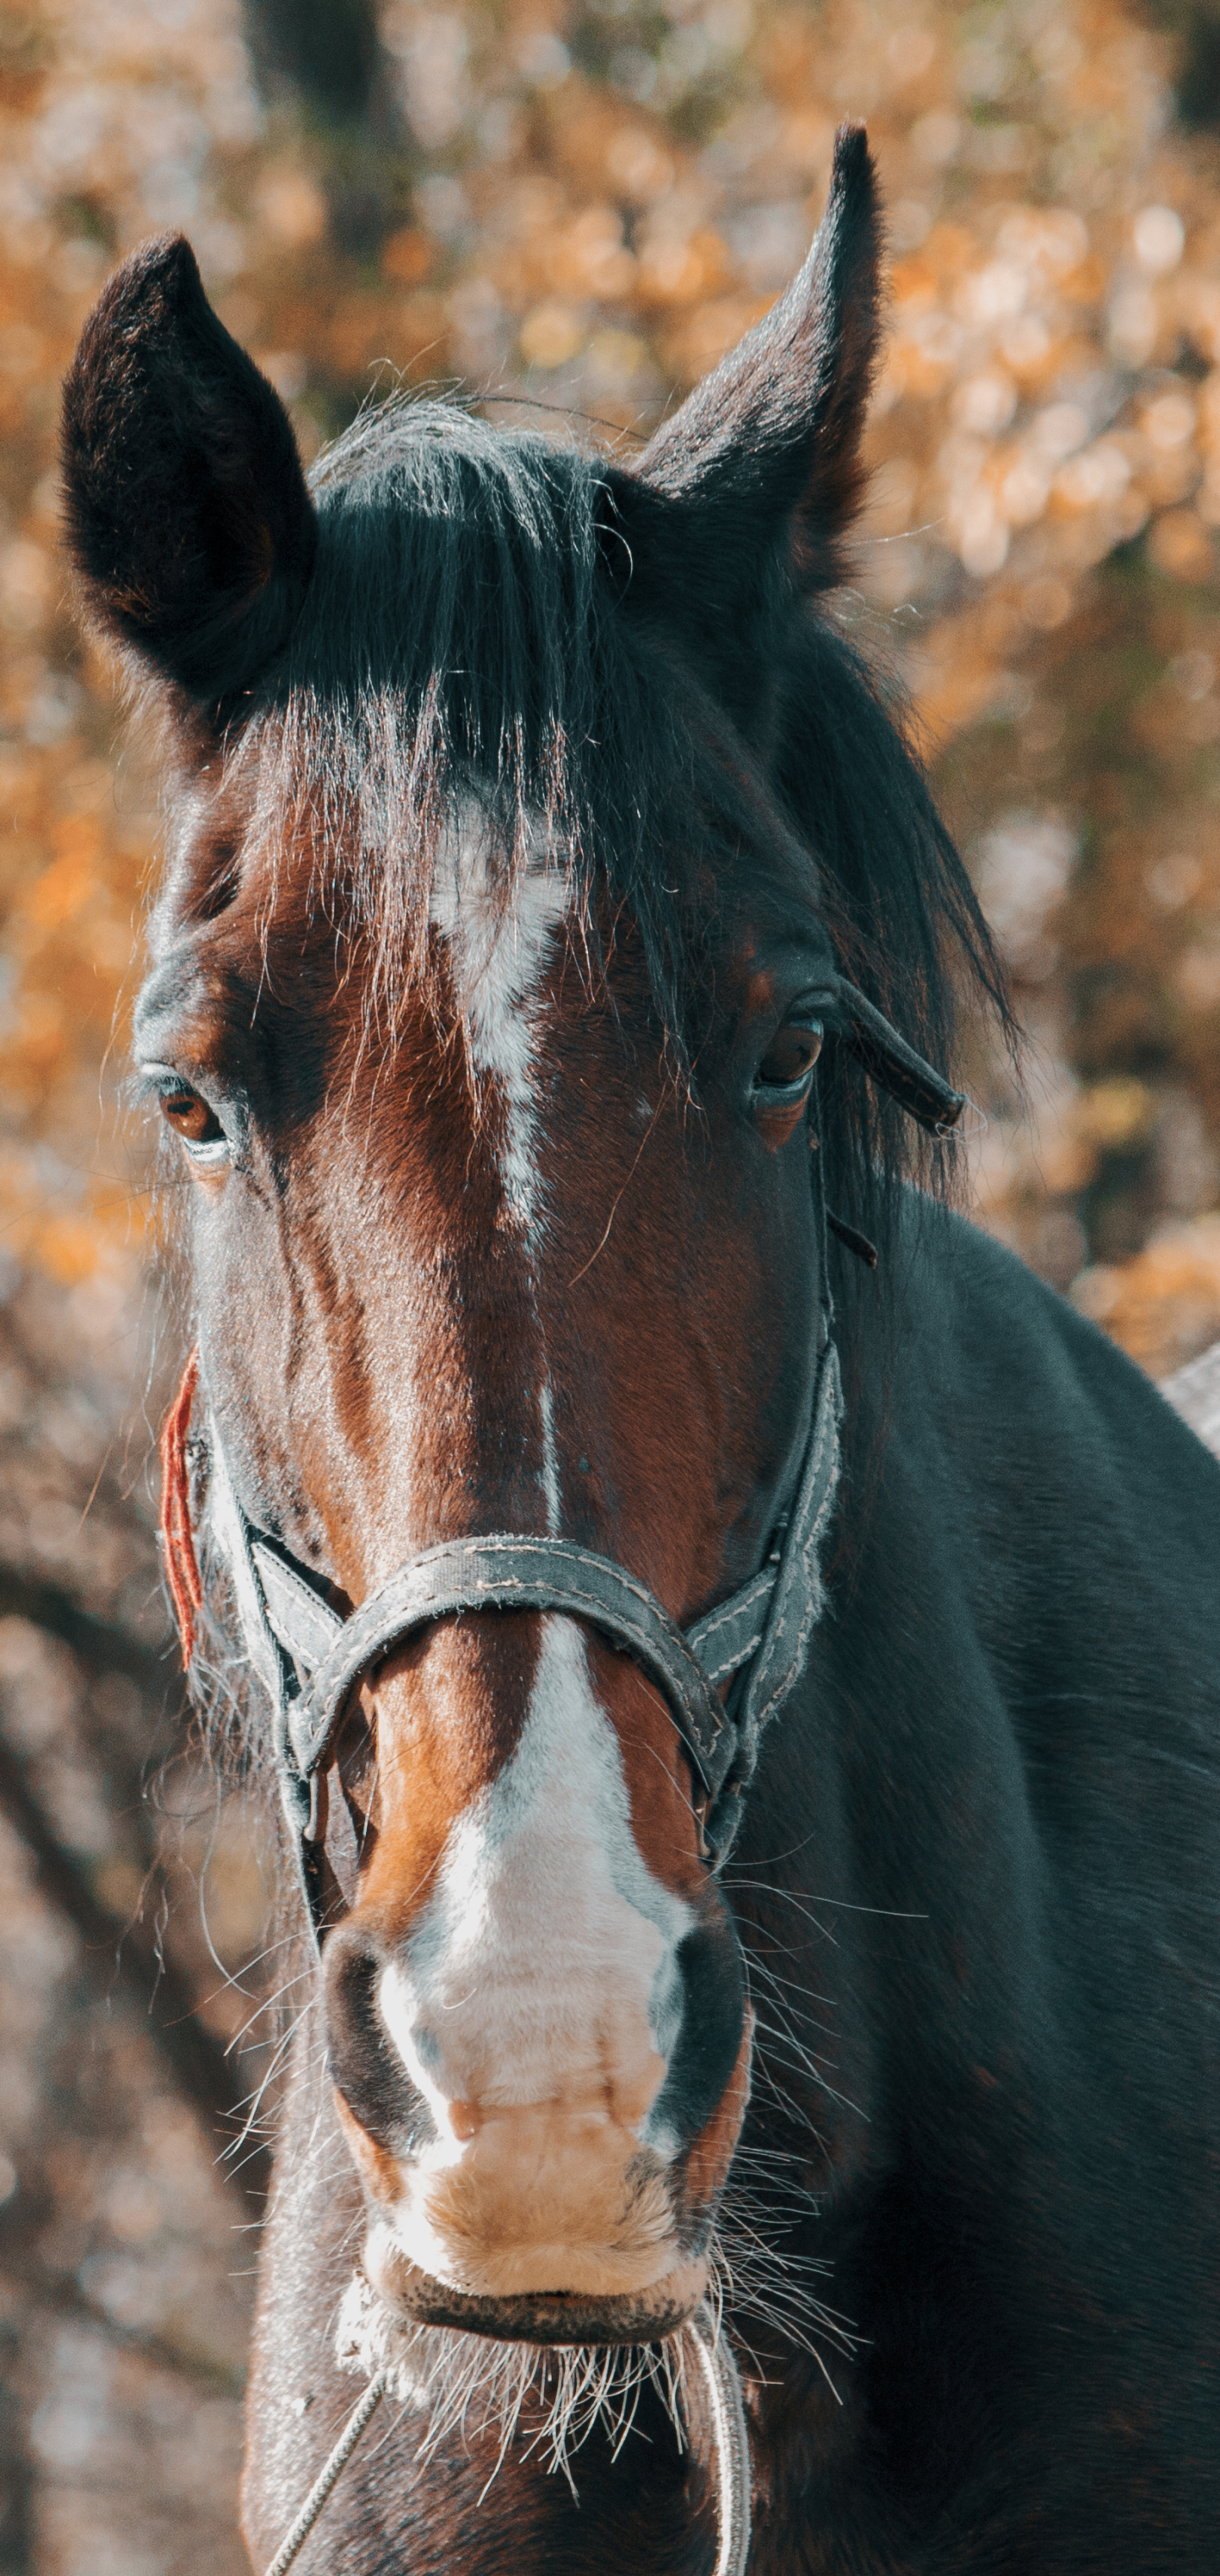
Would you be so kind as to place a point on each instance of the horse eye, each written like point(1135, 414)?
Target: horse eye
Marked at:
point(793, 1055)
point(197, 1125)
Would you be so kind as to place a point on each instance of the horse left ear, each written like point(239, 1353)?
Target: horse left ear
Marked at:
point(763, 460)
point(187, 511)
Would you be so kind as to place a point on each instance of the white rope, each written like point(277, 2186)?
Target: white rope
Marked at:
point(294, 2540)
point(731, 2440)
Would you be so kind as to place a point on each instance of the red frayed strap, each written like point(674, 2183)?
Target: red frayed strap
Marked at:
point(181, 1562)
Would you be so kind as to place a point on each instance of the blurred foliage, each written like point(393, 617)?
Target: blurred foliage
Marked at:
point(1195, 26)
point(132, 1900)
point(328, 51)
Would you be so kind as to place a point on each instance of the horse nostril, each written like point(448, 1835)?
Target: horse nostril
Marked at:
point(707, 2038)
point(364, 2064)
point(350, 1967)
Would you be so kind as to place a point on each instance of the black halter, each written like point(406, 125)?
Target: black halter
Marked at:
point(310, 1659)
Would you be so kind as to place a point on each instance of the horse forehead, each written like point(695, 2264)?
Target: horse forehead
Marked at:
point(498, 925)
point(499, 933)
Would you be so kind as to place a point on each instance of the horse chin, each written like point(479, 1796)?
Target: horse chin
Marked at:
point(536, 2317)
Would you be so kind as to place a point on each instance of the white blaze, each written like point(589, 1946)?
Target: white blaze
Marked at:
point(537, 2001)
point(498, 955)
point(544, 1967)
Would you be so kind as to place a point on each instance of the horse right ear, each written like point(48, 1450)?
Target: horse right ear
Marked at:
point(745, 496)
point(187, 512)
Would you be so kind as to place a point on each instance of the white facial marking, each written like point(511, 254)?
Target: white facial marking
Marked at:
point(497, 957)
point(498, 954)
point(544, 1968)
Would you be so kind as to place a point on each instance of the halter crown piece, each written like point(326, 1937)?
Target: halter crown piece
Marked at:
point(309, 1659)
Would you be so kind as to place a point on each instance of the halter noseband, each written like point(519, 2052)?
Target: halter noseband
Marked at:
point(309, 1659)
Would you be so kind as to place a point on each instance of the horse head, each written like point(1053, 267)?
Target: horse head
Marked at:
point(490, 976)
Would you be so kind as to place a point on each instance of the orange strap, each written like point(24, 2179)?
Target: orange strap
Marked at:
point(181, 1562)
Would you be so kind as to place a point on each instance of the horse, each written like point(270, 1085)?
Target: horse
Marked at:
point(738, 1654)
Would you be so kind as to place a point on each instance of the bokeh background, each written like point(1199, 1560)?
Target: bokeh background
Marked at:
point(575, 210)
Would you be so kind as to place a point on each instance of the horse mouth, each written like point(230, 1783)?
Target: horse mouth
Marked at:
point(537, 2316)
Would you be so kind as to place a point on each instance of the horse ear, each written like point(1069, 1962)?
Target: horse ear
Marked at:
point(762, 464)
point(187, 512)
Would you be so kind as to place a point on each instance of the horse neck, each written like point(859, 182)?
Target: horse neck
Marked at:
point(885, 1878)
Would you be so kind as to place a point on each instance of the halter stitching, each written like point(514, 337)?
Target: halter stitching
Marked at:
point(813, 1591)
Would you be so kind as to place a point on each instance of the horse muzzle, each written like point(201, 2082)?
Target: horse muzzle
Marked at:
point(541, 2317)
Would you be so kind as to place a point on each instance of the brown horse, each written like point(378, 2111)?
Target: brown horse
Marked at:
point(528, 816)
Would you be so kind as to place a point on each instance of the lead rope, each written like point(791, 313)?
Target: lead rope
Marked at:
point(722, 2383)
point(294, 2540)
point(722, 2386)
